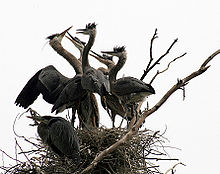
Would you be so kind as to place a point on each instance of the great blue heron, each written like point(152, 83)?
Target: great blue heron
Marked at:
point(59, 135)
point(50, 83)
point(92, 79)
point(109, 101)
point(129, 90)
point(73, 95)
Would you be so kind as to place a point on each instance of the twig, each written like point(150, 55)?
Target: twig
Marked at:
point(151, 53)
point(22, 150)
point(158, 60)
point(160, 72)
point(23, 137)
point(163, 159)
point(147, 113)
point(151, 48)
point(172, 168)
point(10, 156)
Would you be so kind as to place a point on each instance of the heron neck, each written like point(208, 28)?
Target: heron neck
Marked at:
point(74, 62)
point(114, 70)
point(85, 60)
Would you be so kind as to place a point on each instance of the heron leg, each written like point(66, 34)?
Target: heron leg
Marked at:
point(121, 122)
point(73, 116)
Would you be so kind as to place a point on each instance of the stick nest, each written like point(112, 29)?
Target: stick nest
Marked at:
point(134, 156)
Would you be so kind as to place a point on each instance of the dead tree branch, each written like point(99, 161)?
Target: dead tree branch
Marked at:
point(151, 48)
point(147, 113)
point(159, 72)
point(172, 169)
point(151, 56)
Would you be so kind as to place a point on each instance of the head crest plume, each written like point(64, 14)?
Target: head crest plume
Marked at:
point(119, 49)
point(91, 25)
point(51, 36)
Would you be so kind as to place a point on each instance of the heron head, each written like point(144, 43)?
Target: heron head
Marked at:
point(90, 29)
point(39, 119)
point(58, 36)
point(117, 51)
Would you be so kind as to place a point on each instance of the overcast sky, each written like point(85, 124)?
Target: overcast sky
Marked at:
point(192, 125)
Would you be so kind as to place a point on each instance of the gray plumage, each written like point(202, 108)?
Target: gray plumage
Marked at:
point(128, 89)
point(71, 95)
point(92, 79)
point(48, 81)
point(60, 136)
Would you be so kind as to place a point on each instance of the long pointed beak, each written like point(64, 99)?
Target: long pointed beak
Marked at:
point(108, 52)
point(60, 35)
point(70, 36)
point(74, 39)
point(80, 31)
point(64, 32)
point(36, 118)
point(97, 54)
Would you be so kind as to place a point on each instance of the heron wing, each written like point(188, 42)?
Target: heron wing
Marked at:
point(128, 85)
point(29, 93)
point(71, 94)
point(63, 137)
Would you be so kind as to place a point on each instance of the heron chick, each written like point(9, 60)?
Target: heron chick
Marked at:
point(59, 135)
point(92, 79)
point(131, 91)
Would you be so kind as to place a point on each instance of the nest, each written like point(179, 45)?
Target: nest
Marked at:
point(134, 156)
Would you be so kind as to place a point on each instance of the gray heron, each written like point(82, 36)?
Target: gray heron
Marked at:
point(130, 91)
point(92, 79)
point(59, 135)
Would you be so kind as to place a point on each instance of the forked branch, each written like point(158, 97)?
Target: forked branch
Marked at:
point(159, 72)
point(149, 66)
point(147, 113)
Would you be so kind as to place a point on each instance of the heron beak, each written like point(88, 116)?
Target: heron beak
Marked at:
point(60, 35)
point(64, 32)
point(73, 39)
point(108, 52)
point(82, 31)
point(36, 118)
point(94, 54)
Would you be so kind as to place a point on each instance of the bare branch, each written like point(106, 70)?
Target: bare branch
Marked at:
point(23, 137)
point(159, 72)
point(157, 61)
point(151, 48)
point(171, 169)
point(14, 159)
point(147, 113)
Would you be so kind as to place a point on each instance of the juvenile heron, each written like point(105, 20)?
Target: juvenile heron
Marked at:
point(129, 90)
point(73, 95)
point(59, 135)
point(48, 81)
point(109, 101)
point(92, 79)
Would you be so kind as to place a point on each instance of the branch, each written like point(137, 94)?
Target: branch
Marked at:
point(159, 59)
point(151, 48)
point(147, 113)
point(159, 72)
point(171, 169)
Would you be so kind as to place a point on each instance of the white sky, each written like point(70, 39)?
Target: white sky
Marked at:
point(193, 125)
